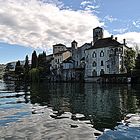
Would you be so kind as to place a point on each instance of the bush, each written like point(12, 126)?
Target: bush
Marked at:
point(34, 75)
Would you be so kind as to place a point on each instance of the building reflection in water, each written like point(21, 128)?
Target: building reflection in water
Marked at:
point(103, 105)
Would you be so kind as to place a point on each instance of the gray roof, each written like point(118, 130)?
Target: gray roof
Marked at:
point(68, 60)
point(59, 44)
point(105, 42)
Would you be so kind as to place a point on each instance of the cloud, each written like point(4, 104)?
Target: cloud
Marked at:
point(90, 6)
point(84, 3)
point(132, 38)
point(110, 18)
point(35, 23)
point(41, 24)
point(121, 30)
point(136, 23)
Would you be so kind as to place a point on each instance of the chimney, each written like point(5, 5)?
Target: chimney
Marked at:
point(111, 36)
point(116, 38)
point(124, 41)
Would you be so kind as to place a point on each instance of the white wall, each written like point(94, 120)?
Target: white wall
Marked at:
point(112, 69)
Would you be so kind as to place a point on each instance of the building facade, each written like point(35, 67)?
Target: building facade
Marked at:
point(106, 56)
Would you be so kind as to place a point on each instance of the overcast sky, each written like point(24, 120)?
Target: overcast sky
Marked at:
point(26, 25)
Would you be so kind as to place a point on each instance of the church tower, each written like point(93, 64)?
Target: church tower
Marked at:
point(97, 34)
point(74, 45)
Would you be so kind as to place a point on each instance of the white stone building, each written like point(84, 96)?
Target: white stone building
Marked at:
point(59, 48)
point(68, 69)
point(106, 56)
point(78, 53)
point(59, 58)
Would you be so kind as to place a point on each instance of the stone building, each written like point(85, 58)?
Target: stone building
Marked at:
point(105, 56)
point(59, 48)
point(68, 69)
point(78, 53)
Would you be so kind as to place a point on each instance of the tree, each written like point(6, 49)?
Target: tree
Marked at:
point(42, 65)
point(42, 59)
point(34, 62)
point(34, 75)
point(137, 65)
point(26, 65)
point(26, 68)
point(129, 60)
point(19, 70)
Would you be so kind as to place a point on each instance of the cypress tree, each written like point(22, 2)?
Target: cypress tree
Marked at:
point(26, 65)
point(34, 60)
point(26, 69)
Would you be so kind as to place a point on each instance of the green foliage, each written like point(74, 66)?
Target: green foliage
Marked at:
point(34, 60)
point(26, 66)
point(129, 60)
point(34, 75)
point(26, 69)
point(43, 65)
point(42, 59)
point(138, 62)
point(18, 68)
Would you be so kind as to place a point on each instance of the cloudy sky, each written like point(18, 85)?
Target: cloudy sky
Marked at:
point(26, 25)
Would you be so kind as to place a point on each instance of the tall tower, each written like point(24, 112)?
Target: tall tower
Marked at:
point(74, 45)
point(97, 34)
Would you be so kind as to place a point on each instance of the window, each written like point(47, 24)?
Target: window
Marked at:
point(116, 49)
point(107, 66)
point(101, 72)
point(94, 73)
point(87, 58)
point(94, 55)
point(94, 64)
point(102, 63)
point(101, 54)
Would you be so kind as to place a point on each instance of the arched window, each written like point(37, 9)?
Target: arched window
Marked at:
point(101, 72)
point(94, 64)
point(94, 73)
point(116, 49)
point(102, 63)
point(101, 54)
point(94, 55)
point(120, 49)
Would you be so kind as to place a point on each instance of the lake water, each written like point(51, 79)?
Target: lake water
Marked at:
point(102, 106)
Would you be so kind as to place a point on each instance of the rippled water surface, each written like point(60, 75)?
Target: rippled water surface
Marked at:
point(98, 106)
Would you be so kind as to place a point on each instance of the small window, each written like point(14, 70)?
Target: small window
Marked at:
point(94, 64)
point(102, 63)
point(94, 73)
point(101, 72)
point(87, 58)
point(94, 55)
point(101, 54)
point(107, 66)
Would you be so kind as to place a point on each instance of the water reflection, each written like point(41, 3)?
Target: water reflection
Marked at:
point(103, 105)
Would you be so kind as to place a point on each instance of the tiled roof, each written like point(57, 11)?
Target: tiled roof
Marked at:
point(98, 28)
point(59, 44)
point(61, 52)
point(105, 42)
point(68, 60)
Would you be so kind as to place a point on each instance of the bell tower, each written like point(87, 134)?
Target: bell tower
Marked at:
point(97, 34)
